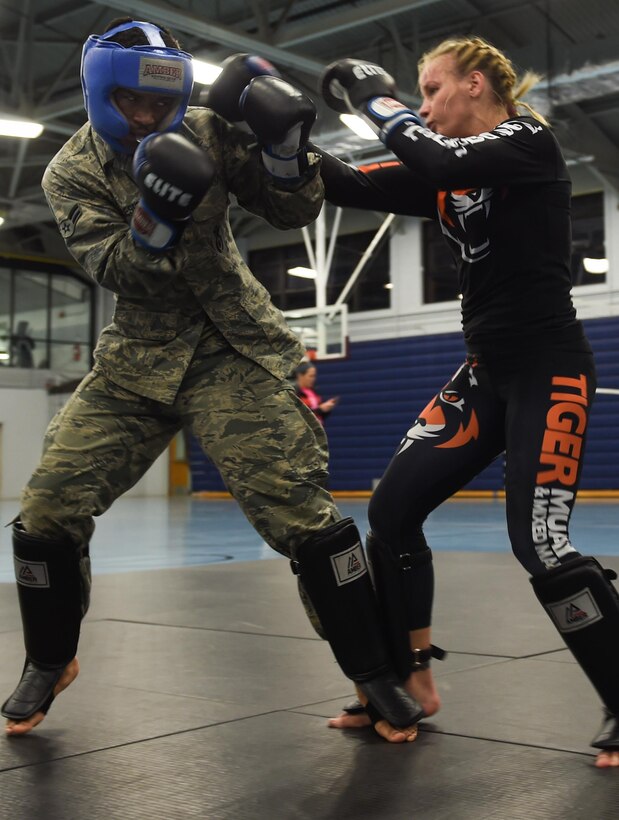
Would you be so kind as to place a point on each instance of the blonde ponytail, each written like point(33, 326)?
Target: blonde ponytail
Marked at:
point(524, 84)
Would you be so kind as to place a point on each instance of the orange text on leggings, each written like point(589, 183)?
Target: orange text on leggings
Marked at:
point(565, 426)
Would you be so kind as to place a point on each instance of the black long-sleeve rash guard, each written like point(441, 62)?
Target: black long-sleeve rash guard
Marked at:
point(502, 199)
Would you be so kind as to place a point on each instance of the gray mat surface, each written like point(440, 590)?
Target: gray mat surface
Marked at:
point(287, 766)
point(204, 692)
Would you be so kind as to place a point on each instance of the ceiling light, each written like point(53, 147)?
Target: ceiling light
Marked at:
point(1, 220)
point(303, 273)
point(595, 265)
point(359, 126)
point(389, 286)
point(26, 129)
point(205, 73)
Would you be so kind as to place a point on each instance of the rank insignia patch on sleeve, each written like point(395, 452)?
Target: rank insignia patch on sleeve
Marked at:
point(67, 226)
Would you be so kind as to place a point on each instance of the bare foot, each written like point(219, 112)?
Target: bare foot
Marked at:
point(420, 686)
point(382, 727)
point(22, 727)
point(387, 731)
point(606, 760)
point(346, 721)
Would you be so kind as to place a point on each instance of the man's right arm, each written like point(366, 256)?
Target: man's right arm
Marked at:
point(378, 186)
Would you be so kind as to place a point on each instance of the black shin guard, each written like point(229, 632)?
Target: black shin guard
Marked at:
point(400, 580)
point(584, 606)
point(334, 573)
point(49, 587)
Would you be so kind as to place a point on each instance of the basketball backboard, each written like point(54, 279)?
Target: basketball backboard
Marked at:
point(323, 331)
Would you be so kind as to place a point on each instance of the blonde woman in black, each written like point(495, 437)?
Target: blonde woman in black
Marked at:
point(488, 168)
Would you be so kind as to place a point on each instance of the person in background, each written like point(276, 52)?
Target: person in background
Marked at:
point(22, 345)
point(305, 380)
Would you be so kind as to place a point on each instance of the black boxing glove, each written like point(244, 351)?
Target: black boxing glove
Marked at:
point(236, 73)
point(173, 176)
point(366, 89)
point(281, 117)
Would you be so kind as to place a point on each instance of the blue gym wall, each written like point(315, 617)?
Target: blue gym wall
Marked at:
point(383, 386)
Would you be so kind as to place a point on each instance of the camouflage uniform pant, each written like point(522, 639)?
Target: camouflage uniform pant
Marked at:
point(269, 448)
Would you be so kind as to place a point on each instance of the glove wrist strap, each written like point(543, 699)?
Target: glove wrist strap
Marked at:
point(289, 168)
point(151, 231)
point(384, 114)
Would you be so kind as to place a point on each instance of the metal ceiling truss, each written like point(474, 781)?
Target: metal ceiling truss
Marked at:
point(575, 81)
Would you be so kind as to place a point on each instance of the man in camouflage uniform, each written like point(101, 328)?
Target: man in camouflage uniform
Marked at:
point(195, 342)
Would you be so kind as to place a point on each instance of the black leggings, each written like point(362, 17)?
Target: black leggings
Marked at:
point(535, 408)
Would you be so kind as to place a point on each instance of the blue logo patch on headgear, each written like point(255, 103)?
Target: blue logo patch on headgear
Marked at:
point(154, 68)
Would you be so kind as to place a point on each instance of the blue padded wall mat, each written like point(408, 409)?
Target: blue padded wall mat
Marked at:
point(383, 385)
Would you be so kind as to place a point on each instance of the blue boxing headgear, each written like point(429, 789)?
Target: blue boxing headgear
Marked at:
point(154, 68)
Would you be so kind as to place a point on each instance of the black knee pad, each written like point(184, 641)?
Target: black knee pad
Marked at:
point(50, 592)
point(400, 579)
point(584, 606)
point(333, 571)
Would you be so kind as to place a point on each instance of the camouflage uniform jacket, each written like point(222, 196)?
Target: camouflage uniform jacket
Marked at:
point(164, 301)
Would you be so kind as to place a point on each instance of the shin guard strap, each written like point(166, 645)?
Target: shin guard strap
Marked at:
point(420, 658)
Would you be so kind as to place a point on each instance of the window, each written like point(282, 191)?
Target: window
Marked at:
point(589, 265)
point(45, 317)
point(270, 266)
